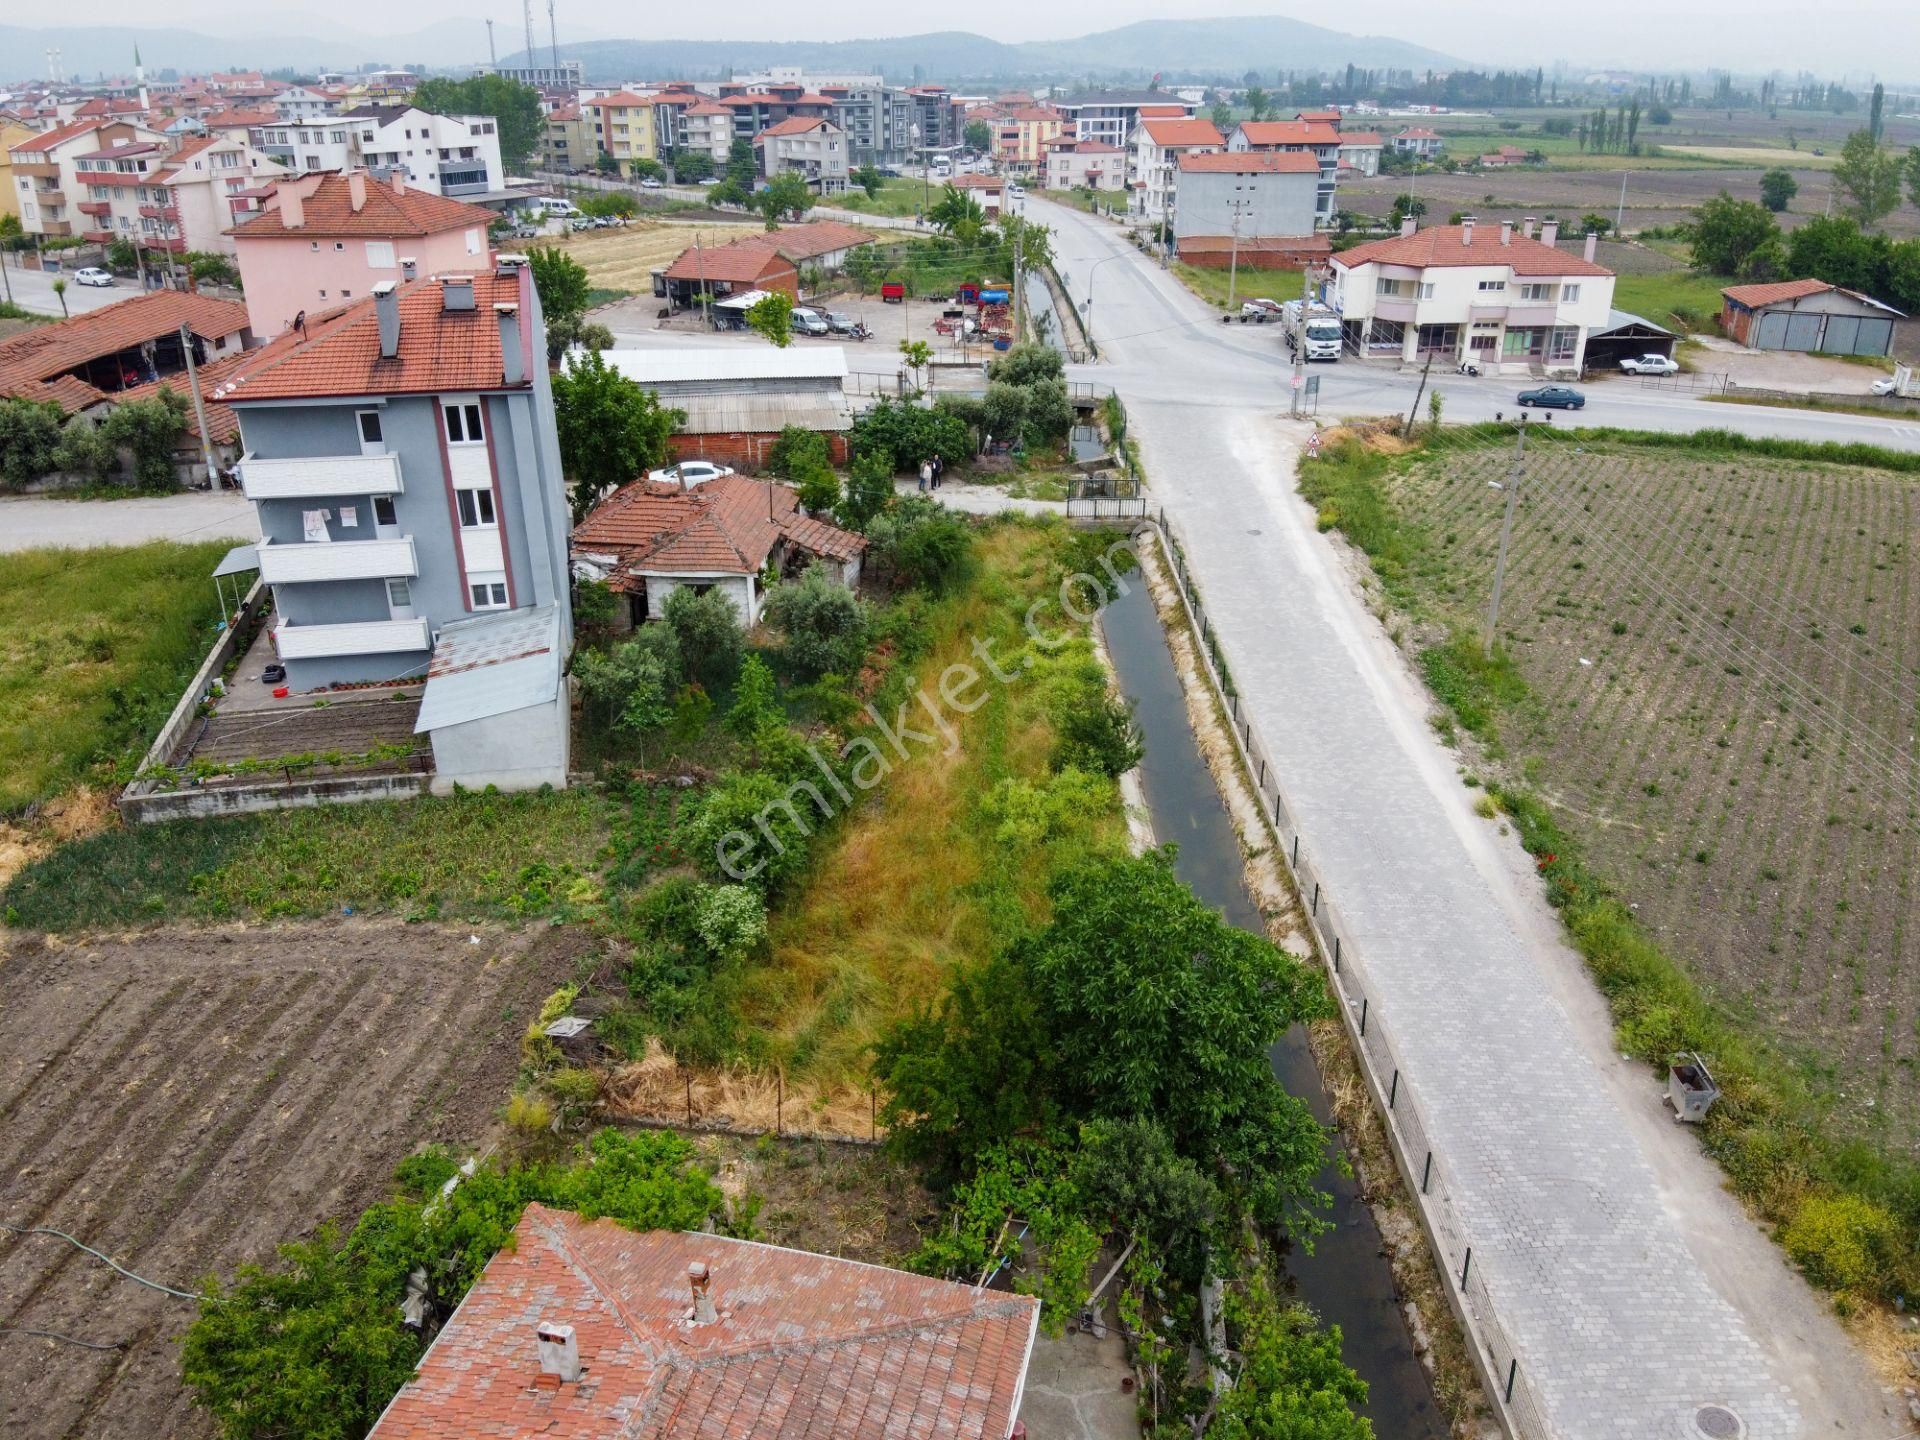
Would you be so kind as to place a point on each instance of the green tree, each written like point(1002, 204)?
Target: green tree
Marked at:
point(823, 625)
point(708, 631)
point(1289, 1381)
point(1726, 231)
point(819, 488)
point(122, 257)
point(869, 488)
point(953, 209)
point(795, 450)
point(631, 687)
point(560, 281)
point(1836, 250)
point(869, 180)
point(692, 165)
point(756, 702)
point(1594, 223)
point(786, 197)
point(1876, 113)
point(918, 541)
point(1777, 189)
point(29, 440)
point(741, 167)
point(1869, 177)
point(150, 431)
point(1913, 175)
point(978, 136)
point(918, 354)
point(60, 292)
point(611, 430)
point(772, 316)
point(1258, 102)
point(1222, 116)
point(515, 107)
point(210, 267)
point(616, 203)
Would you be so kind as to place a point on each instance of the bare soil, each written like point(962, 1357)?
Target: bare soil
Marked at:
point(832, 1198)
point(187, 1100)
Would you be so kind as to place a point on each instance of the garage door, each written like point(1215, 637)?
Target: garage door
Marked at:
point(1803, 332)
point(1858, 335)
point(1771, 331)
point(1842, 332)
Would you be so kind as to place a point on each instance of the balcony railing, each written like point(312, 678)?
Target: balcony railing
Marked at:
point(55, 227)
point(293, 564)
point(52, 195)
point(99, 208)
point(161, 212)
point(98, 237)
point(363, 637)
point(316, 477)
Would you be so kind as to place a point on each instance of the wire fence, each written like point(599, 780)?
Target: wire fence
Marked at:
point(1510, 1389)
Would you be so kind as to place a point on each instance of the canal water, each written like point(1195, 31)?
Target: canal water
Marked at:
point(1347, 1279)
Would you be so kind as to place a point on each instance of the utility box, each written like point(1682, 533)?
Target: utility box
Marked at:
point(1690, 1088)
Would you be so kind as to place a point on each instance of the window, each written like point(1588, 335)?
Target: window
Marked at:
point(463, 424)
point(1425, 291)
point(383, 511)
point(1569, 294)
point(1385, 286)
point(476, 507)
point(399, 594)
point(380, 254)
point(488, 593)
point(370, 432)
point(1493, 287)
point(1537, 292)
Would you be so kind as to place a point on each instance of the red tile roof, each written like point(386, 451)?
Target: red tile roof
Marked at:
point(1254, 162)
point(49, 351)
point(977, 182)
point(1325, 117)
point(47, 139)
point(706, 107)
point(1161, 112)
point(1445, 245)
point(1263, 134)
point(385, 213)
point(792, 125)
point(1182, 132)
point(805, 1347)
point(740, 262)
point(1754, 296)
point(1359, 137)
point(622, 100)
point(719, 528)
point(1417, 132)
point(440, 349)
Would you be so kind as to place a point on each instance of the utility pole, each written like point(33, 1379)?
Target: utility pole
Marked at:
point(526, 8)
point(1233, 254)
point(493, 57)
point(1018, 334)
point(1506, 534)
point(1424, 371)
point(1166, 217)
point(553, 34)
point(199, 406)
point(1620, 215)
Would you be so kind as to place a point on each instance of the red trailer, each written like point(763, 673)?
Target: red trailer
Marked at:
point(893, 292)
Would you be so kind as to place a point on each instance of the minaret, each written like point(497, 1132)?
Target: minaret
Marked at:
point(139, 70)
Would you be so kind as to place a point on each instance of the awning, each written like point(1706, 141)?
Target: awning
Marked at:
point(236, 561)
point(491, 665)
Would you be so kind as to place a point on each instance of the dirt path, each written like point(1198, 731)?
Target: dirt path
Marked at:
point(187, 1100)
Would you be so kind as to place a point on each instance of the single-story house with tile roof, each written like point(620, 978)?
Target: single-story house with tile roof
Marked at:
point(1807, 315)
point(647, 540)
point(83, 359)
point(738, 398)
point(583, 1328)
point(703, 272)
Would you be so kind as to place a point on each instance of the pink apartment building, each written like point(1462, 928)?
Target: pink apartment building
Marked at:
point(327, 239)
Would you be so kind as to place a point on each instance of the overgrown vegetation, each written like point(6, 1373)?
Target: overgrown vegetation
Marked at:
point(98, 645)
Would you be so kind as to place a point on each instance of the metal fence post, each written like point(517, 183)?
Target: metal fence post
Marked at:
point(1466, 1266)
point(1393, 1091)
point(1316, 897)
point(1336, 954)
point(1296, 849)
point(1513, 1368)
point(1426, 1173)
point(1363, 1014)
point(780, 1102)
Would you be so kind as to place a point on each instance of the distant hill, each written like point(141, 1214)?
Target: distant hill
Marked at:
point(1193, 49)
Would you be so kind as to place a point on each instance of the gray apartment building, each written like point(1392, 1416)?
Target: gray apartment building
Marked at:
point(878, 120)
point(1109, 116)
point(1254, 195)
point(404, 461)
point(936, 115)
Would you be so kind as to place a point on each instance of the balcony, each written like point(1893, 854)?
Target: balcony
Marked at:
point(365, 637)
point(169, 213)
point(1394, 307)
point(98, 237)
point(38, 169)
point(98, 208)
point(295, 564)
point(55, 227)
point(317, 477)
point(50, 196)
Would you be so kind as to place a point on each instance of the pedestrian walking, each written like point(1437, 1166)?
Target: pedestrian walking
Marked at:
point(926, 475)
point(938, 466)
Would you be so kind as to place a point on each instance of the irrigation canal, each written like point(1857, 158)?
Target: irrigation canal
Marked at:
point(1347, 1279)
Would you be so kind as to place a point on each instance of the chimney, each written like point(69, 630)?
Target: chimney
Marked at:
point(1526, 227)
point(1409, 225)
point(386, 308)
point(1593, 246)
point(409, 268)
point(1506, 232)
point(456, 292)
point(293, 210)
point(1550, 232)
point(559, 1352)
point(357, 191)
point(700, 1278)
point(513, 365)
point(399, 180)
point(1466, 229)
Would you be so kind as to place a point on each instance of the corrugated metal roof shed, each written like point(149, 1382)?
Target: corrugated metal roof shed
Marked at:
point(729, 362)
point(724, 414)
point(491, 665)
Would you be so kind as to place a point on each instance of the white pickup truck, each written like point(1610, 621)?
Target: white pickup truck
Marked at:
point(1649, 365)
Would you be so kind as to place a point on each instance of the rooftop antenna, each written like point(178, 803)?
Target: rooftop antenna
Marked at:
point(527, 8)
point(553, 33)
point(493, 58)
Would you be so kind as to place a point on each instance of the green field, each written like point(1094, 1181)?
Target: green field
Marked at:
point(95, 646)
point(896, 197)
point(1211, 285)
point(1678, 299)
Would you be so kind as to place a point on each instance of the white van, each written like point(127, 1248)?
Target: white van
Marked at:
point(554, 205)
point(808, 322)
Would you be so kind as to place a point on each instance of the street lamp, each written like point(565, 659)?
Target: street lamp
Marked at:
point(1087, 305)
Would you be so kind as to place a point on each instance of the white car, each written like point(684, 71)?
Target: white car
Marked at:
point(92, 275)
point(1885, 385)
point(689, 473)
point(1649, 365)
point(650, 184)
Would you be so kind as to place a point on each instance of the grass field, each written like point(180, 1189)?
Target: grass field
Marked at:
point(1766, 156)
point(1677, 299)
point(625, 259)
point(896, 197)
point(95, 646)
point(1211, 285)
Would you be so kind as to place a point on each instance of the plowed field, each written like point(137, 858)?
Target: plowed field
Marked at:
point(185, 1101)
point(1724, 660)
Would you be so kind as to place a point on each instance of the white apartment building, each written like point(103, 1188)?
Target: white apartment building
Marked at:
point(297, 102)
point(1109, 116)
point(1303, 136)
point(1090, 163)
point(705, 128)
point(453, 155)
point(1508, 302)
point(315, 145)
point(1154, 149)
point(814, 149)
point(209, 186)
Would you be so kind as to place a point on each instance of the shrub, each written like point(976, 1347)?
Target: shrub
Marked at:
point(1844, 1242)
point(920, 542)
point(629, 687)
point(30, 440)
point(708, 632)
point(904, 435)
point(756, 701)
point(594, 607)
point(795, 451)
point(823, 624)
point(869, 489)
point(1004, 412)
point(732, 920)
point(1097, 735)
point(1027, 364)
point(819, 489)
point(529, 1115)
point(1049, 412)
point(754, 805)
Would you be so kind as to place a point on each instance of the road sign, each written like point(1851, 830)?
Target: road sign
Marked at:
point(1298, 381)
point(1313, 387)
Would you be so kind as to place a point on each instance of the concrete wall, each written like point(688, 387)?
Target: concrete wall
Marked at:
point(520, 750)
point(1265, 204)
point(202, 802)
point(743, 450)
point(742, 590)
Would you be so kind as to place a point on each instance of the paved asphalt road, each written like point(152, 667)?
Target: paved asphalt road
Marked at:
point(33, 290)
point(1633, 1289)
point(30, 521)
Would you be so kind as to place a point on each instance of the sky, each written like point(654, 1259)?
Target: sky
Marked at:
point(1752, 35)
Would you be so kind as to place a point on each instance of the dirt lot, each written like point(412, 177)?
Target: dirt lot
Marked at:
point(186, 1101)
point(625, 258)
point(1723, 655)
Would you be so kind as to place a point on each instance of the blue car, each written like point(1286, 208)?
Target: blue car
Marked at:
point(1554, 397)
